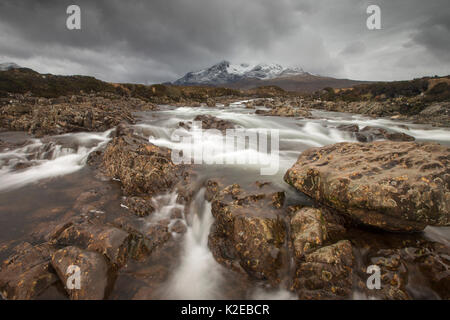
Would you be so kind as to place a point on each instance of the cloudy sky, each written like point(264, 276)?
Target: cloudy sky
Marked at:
point(160, 40)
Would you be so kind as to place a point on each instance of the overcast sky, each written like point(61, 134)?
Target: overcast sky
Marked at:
point(160, 40)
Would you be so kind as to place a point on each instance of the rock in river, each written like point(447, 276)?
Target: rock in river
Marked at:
point(93, 272)
point(395, 186)
point(249, 232)
point(142, 167)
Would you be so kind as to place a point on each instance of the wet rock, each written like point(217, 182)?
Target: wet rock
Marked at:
point(210, 102)
point(95, 158)
point(144, 238)
point(369, 134)
point(209, 122)
point(249, 231)
point(112, 242)
point(178, 227)
point(141, 167)
point(250, 105)
point(326, 273)
point(349, 127)
point(308, 230)
point(285, 111)
point(140, 206)
point(438, 114)
point(410, 267)
point(93, 272)
point(395, 186)
point(27, 273)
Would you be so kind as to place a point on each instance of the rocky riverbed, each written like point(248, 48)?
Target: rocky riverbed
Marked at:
point(92, 182)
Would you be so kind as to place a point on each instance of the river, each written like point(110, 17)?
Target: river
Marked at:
point(41, 179)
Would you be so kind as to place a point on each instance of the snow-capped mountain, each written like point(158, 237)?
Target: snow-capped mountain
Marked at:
point(8, 66)
point(224, 73)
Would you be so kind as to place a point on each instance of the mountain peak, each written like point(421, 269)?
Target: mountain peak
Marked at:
point(225, 72)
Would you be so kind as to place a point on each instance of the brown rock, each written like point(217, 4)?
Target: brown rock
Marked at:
point(112, 242)
point(142, 167)
point(93, 272)
point(249, 232)
point(326, 273)
point(395, 186)
point(27, 273)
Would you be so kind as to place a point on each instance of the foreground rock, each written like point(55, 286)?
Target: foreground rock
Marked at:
point(311, 228)
point(112, 242)
point(326, 273)
point(142, 168)
point(411, 267)
point(27, 273)
point(93, 272)
point(395, 186)
point(249, 232)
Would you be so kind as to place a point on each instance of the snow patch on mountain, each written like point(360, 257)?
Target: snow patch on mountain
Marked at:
point(225, 72)
point(8, 66)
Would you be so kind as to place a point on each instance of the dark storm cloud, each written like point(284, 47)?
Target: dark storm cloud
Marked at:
point(160, 40)
point(434, 35)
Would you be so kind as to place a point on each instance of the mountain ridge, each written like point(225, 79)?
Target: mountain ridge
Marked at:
point(246, 76)
point(225, 72)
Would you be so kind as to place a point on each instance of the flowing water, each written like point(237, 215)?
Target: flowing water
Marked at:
point(41, 180)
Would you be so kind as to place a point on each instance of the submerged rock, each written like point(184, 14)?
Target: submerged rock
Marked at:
point(395, 186)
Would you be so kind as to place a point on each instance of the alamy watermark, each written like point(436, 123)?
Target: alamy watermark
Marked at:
point(374, 281)
point(74, 280)
point(374, 20)
point(234, 147)
point(73, 21)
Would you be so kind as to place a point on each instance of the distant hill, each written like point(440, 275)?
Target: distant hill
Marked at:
point(305, 83)
point(24, 80)
point(429, 89)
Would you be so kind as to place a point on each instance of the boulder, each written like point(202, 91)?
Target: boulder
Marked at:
point(93, 272)
point(249, 231)
point(141, 167)
point(326, 273)
point(311, 228)
point(27, 273)
point(112, 242)
point(395, 186)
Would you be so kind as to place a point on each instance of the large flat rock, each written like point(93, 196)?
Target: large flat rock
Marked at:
point(395, 186)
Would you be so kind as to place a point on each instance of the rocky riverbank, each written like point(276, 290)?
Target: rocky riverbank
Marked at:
point(126, 228)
